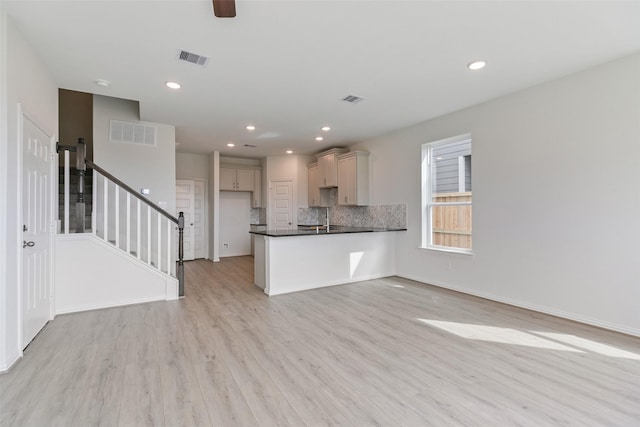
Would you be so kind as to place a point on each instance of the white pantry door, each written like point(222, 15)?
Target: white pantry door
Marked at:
point(282, 205)
point(184, 203)
point(37, 230)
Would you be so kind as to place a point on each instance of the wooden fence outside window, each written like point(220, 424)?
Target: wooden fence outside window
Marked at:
point(451, 225)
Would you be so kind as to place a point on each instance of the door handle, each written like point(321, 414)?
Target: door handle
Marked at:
point(29, 244)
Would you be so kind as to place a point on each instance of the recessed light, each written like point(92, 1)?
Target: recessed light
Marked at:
point(319, 138)
point(250, 127)
point(325, 128)
point(289, 152)
point(173, 85)
point(476, 65)
point(231, 144)
point(103, 83)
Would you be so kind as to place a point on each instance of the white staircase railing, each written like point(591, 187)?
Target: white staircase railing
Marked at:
point(124, 218)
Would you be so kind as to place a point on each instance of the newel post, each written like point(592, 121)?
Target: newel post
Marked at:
point(180, 266)
point(81, 168)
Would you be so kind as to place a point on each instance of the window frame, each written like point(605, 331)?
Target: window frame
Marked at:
point(427, 203)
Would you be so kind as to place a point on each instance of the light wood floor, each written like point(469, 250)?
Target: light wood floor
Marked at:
point(358, 354)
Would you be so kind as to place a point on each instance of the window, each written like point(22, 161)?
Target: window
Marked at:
point(446, 194)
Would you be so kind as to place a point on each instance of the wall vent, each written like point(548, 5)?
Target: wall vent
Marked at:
point(132, 133)
point(192, 58)
point(352, 99)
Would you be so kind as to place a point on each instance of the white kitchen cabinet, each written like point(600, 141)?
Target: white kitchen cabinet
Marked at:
point(353, 178)
point(257, 189)
point(244, 179)
point(317, 197)
point(236, 179)
point(227, 178)
point(327, 167)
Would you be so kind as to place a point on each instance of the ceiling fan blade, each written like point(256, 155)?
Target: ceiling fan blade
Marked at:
point(224, 8)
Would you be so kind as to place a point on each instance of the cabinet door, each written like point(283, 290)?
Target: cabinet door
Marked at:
point(313, 191)
point(227, 179)
point(347, 181)
point(244, 179)
point(257, 189)
point(327, 174)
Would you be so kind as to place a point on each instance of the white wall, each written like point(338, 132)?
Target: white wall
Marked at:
point(116, 278)
point(139, 166)
point(235, 208)
point(5, 357)
point(555, 197)
point(214, 203)
point(27, 82)
point(192, 166)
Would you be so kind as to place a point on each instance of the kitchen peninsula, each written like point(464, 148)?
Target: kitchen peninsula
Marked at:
point(300, 259)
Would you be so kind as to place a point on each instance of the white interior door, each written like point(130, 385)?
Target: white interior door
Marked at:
point(37, 217)
point(200, 219)
point(281, 205)
point(185, 203)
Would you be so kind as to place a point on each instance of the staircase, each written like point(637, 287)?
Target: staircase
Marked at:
point(126, 249)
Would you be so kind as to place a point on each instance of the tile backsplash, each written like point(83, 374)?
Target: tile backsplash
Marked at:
point(258, 216)
point(383, 216)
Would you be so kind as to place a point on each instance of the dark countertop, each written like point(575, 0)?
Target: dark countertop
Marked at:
point(334, 229)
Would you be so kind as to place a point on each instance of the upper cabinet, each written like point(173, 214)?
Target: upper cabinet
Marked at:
point(353, 178)
point(327, 175)
point(316, 196)
point(233, 178)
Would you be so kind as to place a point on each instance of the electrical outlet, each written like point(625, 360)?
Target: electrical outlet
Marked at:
point(226, 245)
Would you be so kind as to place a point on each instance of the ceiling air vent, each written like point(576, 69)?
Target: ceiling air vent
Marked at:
point(352, 99)
point(192, 58)
point(249, 145)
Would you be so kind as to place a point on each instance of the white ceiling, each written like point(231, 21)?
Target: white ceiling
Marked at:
point(284, 65)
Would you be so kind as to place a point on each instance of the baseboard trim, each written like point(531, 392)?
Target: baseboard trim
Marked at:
point(78, 309)
point(5, 368)
point(533, 307)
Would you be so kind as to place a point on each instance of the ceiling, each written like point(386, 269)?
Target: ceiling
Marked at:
point(284, 66)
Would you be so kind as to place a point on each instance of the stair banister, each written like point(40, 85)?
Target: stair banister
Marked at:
point(180, 268)
point(179, 221)
point(81, 166)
